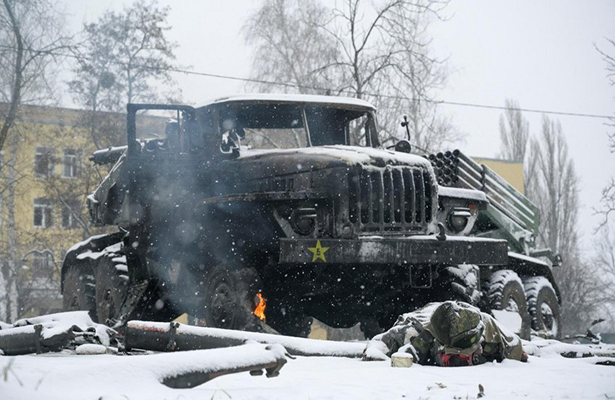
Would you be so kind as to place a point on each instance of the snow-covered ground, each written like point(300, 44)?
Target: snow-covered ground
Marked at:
point(69, 376)
point(81, 374)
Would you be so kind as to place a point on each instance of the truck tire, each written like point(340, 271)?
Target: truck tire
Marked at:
point(79, 290)
point(111, 286)
point(229, 298)
point(543, 306)
point(505, 292)
point(460, 282)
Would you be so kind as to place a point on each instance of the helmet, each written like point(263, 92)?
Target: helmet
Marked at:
point(458, 326)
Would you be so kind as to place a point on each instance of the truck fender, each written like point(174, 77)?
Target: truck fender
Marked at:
point(530, 266)
point(90, 248)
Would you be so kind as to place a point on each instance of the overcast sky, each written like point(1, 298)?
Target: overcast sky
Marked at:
point(540, 53)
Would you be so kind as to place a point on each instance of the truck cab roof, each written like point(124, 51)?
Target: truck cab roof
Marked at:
point(334, 101)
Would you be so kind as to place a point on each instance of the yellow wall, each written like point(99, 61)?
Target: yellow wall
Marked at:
point(511, 171)
point(61, 129)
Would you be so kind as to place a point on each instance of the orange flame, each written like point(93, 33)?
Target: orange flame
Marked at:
point(260, 307)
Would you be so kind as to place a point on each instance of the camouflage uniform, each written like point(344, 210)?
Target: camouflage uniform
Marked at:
point(448, 334)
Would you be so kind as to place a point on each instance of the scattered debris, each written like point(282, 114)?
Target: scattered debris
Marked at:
point(439, 385)
point(77, 332)
point(53, 332)
point(402, 360)
point(543, 347)
point(481, 391)
point(91, 349)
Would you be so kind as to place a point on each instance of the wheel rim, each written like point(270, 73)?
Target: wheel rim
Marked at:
point(512, 305)
point(548, 318)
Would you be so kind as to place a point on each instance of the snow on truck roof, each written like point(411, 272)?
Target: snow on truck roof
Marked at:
point(294, 98)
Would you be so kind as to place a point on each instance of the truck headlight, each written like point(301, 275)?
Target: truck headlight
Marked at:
point(458, 219)
point(303, 220)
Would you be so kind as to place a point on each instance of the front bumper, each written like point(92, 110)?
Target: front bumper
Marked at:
point(395, 251)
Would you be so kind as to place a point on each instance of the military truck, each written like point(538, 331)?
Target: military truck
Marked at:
point(289, 206)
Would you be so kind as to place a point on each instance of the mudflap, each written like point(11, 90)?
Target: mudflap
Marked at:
point(135, 293)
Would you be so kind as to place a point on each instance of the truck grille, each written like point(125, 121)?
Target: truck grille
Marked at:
point(390, 199)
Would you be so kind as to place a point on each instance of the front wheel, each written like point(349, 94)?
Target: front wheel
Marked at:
point(459, 282)
point(79, 290)
point(228, 300)
point(111, 287)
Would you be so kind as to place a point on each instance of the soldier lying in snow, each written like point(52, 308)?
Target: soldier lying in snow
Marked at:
point(448, 334)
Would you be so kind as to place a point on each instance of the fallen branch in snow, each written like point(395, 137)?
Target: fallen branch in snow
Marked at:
point(158, 336)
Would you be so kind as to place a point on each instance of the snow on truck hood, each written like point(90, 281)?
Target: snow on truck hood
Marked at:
point(350, 155)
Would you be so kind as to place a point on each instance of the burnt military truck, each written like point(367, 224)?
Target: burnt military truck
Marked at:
point(292, 200)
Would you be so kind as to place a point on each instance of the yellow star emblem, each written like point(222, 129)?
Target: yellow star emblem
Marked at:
point(318, 251)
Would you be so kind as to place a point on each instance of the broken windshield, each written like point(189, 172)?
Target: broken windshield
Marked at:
point(287, 126)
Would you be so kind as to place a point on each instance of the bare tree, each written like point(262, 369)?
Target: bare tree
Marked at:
point(608, 193)
point(8, 272)
point(514, 132)
point(514, 140)
point(374, 51)
point(122, 58)
point(554, 188)
point(604, 261)
point(609, 59)
point(31, 36)
point(289, 46)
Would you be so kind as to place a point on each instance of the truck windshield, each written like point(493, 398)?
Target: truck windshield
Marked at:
point(283, 126)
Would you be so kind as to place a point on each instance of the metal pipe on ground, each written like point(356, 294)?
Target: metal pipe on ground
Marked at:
point(30, 339)
point(253, 358)
point(160, 336)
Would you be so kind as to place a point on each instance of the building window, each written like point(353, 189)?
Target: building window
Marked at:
point(43, 213)
point(43, 161)
point(71, 211)
point(42, 265)
point(71, 163)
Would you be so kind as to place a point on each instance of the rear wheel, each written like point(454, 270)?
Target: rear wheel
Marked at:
point(543, 306)
point(111, 286)
point(505, 293)
point(79, 291)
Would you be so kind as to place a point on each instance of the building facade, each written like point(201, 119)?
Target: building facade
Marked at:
point(45, 177)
